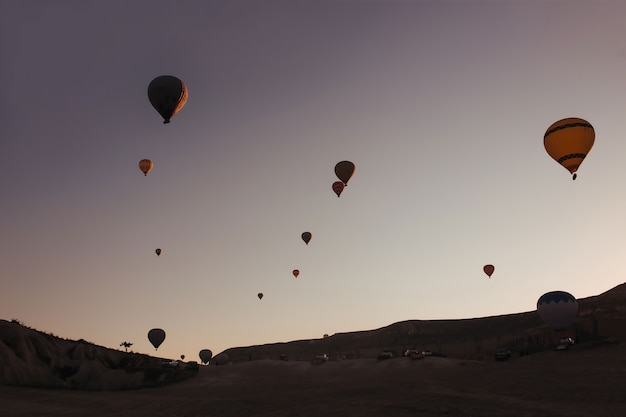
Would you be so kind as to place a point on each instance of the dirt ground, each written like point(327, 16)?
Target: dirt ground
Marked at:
point(583, 381)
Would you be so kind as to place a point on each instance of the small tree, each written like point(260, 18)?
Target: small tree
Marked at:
point(126, 345)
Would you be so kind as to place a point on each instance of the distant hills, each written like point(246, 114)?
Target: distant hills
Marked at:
point(33, 358)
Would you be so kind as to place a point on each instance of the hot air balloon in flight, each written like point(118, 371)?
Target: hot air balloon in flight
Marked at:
point(182, 357)
point(296, 272)
point(158, 252)
point(557, 309)
point(260, 295)
point(344, 171)
point(168, 95)
point(145, 165)
point(205, 355)
point(306, 236)
point(568, 142)
point(338, 187)
point(156, 337)
point(488, 269)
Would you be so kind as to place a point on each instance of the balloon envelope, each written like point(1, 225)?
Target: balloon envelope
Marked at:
point(146, 165)
point(158, 252)
point(205, 355)
point(557, 309)
point(568, 142)
point(156, 337)
point(344, 171)
point(296, 273)
point(489, 270)
point(260, 295)
point(306, 236)
point(338, 187)
point(168, 95)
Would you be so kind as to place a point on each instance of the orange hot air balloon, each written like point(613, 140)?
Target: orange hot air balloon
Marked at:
point(158, 252)
point(260, 295)
point(296, 273)
point(306, 236)
point(344, 171)
point(338, 187)
point(489, 270)
point(168, 95)
point(568, 142)
point(145, 165)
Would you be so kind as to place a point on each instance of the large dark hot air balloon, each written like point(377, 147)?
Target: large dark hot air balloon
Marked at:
point(156, 337)
point(568, 142)
point(145, 165)
point(205, 355)
point(168, 95)
point(557, 309)
point(260, 295)
point(338, 187)
point(488, 269)
point(296, 272)
point(344, 171)
point(306, 236)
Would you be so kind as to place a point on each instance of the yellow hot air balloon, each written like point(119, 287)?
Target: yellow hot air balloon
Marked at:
point(168, 95)
point(568, 142)
point(146, 165)
point(344, 171)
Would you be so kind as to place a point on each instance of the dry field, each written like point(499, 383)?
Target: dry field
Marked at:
point(584, 381)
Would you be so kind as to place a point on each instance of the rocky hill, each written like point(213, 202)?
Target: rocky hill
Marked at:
point(32, 358)
point(600, 319)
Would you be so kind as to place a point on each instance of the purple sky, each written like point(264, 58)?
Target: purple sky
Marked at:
point(442, 106)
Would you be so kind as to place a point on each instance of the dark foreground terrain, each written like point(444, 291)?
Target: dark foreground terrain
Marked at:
point(583, 381)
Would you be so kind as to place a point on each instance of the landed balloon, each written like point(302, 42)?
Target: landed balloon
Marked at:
point(338, 187)
point(205, 355)
point(344, 171)
point(146, 165)
point(568, 142)
point(168, 95)
point(156, 337)
point(306, 236)
point(296, 273)
point(158, 252)
point(557, 309)
point(222, 359)
point(488, 269)
point(260, 295)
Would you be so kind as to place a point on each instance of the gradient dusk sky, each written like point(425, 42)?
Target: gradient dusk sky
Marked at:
point(441, 105)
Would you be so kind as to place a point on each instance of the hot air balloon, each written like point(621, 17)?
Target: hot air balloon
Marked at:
point(205, 355)
point(145, 165)
point(306, 236)
point(568, 142)
point(168, 95)
point(222, 359)
point(158, 252)
point(260, 295)
point(338, 187)
point(182, 357)
point(296, 273)
point(557, 309)
point(344, 171)
point(156, 337)
point(489, 270)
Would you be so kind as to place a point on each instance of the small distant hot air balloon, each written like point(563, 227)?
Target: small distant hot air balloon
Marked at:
point(306, 236)
point(156, 337)
point(296, 272)
point(557, 309)
point(338, 187)
point(489, 270)
point(205, 355)
point(260, 295)
point(146, 165)
point(182, 357)
point(344, 171)
point(168, 95)
point(568, 142)
point(158, 252)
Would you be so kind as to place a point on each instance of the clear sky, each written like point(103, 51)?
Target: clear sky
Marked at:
point(442, 106)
